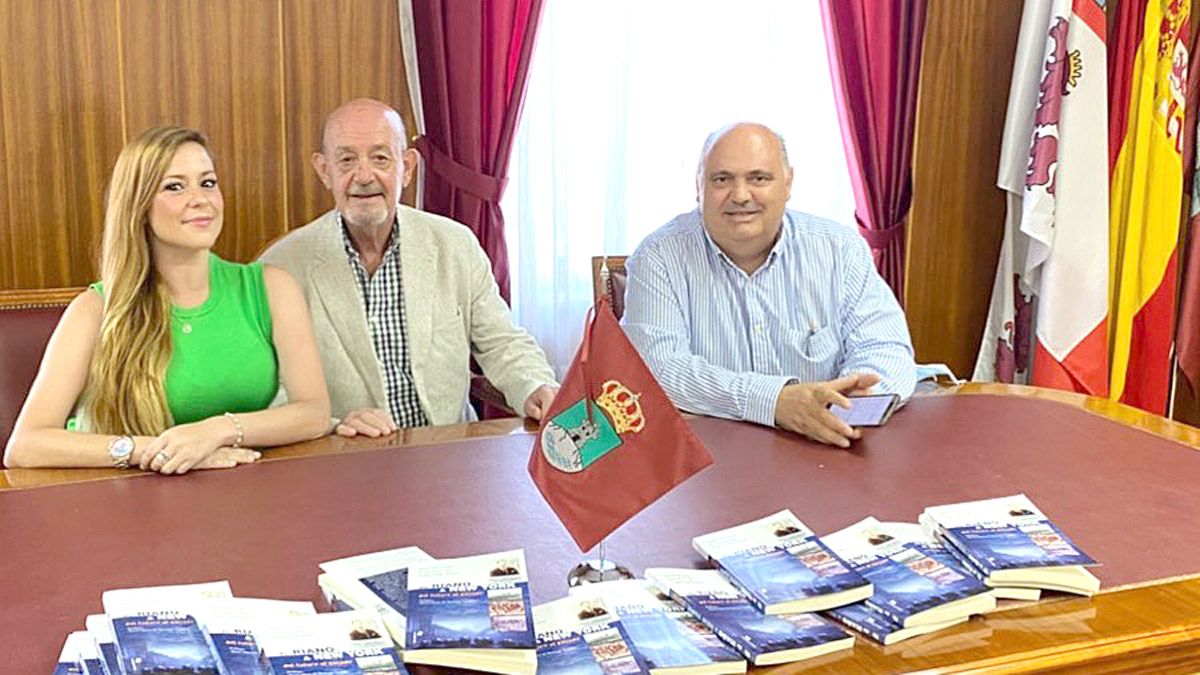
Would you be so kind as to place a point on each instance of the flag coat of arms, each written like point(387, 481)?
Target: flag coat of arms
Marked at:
point(611, 443)
point(1049, 310)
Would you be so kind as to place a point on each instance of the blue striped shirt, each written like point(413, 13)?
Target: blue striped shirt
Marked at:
point(724, 343)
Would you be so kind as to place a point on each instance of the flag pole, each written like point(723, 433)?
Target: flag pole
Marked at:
point(598, 569)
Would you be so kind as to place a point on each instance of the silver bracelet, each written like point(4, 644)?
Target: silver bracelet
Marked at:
point(241, 432)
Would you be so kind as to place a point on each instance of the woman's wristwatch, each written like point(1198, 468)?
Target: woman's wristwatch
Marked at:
point(120, 450)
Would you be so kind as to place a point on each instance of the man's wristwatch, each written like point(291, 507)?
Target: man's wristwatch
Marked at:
point(120, 450)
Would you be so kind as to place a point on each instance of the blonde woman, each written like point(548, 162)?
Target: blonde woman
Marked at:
point(170, 362)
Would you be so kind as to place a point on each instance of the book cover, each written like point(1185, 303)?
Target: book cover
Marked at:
point(479, 602)
point(156, 630)
point(661, 630)
point(782, 566)
point(882, 628)
point(581, 636)
point(99, 627)
point(1006, 533)
point(763, 639)
point(377, 581)
point(915, 579)
point(229, 624)
point(471, 612)
point(334, 643)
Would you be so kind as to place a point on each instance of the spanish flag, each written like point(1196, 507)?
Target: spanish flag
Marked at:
point(1148, 75)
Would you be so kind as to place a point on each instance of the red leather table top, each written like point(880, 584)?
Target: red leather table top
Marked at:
point(1128, 498)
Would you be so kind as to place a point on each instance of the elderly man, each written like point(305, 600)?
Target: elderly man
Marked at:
point(400, 299)
point(746, 310)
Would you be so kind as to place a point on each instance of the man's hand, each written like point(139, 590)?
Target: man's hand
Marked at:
point(366, 421)
point(804, 408)
point(539, 401)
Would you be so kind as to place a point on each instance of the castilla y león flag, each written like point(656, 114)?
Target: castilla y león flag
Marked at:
point(612, 443)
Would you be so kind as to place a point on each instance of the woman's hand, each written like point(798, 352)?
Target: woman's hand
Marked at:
point(181, 448)
point(226, 457)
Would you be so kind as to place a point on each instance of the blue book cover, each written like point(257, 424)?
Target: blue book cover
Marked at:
point(156, 630)
point(869, 621)
point(914, 578)
point(480, 602)
point(334, 643)
point(230, 624)
point(582, 636)
point(715, 602)
point(660, 630)
point(163, 642)
point(1005, 533)
point(779, 563)
point(376, 581)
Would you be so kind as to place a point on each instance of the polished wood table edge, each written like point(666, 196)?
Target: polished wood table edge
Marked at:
point(1183, 630)
point(1101, 407)
point(466, 432)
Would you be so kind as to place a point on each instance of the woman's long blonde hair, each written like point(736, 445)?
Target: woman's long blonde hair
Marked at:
point(125, 389)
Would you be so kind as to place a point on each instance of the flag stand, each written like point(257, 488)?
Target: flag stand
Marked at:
point(597, 570)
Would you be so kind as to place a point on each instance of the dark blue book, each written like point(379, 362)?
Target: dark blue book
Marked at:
point(782, 567)
point(879, 626)
point(156, 629)
point(763, 639)
point(582, 636)
point(334, 643)
point(377, 581)
point(1013, 543)
point(471, 613)
point(661, 631)
point(916, 580)
point(230, 624)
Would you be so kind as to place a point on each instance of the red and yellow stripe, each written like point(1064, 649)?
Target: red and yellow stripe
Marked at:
point(1147, 72)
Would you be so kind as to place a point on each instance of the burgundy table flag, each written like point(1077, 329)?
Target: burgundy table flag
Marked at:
point(612, 443)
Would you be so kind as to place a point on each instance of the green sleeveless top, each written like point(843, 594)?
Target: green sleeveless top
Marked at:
point(222, 357)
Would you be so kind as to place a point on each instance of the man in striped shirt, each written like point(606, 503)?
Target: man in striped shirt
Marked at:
point(746, 310)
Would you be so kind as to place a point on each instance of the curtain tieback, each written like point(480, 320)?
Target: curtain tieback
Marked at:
point(487, 188)
point(879, 240)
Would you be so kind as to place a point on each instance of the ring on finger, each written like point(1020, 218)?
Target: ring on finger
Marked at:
point(162, 457)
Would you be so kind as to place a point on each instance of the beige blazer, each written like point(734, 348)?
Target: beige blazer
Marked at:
point(453, 308)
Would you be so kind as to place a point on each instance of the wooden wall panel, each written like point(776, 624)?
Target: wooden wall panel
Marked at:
point(215, 65)
point(60, 130)
point(357, 48)
point(957, 217)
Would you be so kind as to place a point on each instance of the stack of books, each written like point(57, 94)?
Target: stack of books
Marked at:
point(1011, 545)
point(663, 635)
point(919, 587)
point(582, 636)
point(472, 613)
point(762, 604)
point(763, 639)
point(782, 566)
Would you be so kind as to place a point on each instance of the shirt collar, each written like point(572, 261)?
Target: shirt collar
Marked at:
point(392, 247)
point(778, 249)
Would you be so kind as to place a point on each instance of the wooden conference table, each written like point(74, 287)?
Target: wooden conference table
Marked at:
point(1123, 484)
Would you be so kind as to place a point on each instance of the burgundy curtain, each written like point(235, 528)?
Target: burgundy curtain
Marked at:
point(875, 58)
point(473, 57)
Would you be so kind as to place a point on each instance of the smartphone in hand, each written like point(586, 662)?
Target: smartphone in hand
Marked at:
point(870, 410)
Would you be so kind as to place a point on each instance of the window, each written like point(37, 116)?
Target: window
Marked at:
point(620, 98)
